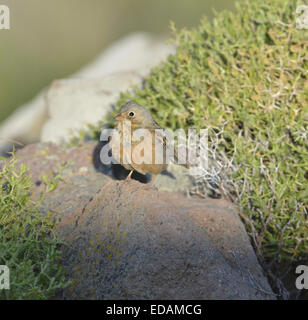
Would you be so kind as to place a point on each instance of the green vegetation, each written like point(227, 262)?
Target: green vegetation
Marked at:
point(28, 245)
point(245, 76)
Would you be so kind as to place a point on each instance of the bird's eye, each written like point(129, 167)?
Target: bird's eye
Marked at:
point(131, 114)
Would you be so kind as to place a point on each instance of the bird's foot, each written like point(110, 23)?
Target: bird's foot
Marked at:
point(128, 178)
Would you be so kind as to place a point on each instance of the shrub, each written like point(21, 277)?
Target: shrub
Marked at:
point(28, 245)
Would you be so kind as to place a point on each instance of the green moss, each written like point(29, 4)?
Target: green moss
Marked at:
point(28, 245)
point(245, 75)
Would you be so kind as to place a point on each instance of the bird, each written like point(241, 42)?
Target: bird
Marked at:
point(134, 154)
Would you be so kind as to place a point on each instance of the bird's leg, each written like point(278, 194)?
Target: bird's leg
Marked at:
point(129, 176)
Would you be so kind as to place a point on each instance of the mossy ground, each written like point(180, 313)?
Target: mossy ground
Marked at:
point(245, 76)
point(28, 245)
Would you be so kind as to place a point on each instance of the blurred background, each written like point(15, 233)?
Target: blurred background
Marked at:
point(52, 39)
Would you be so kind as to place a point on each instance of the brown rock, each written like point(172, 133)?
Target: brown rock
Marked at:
point(129, 241)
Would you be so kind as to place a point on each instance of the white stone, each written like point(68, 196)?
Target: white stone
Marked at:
point(74, 103)
point(25, 124)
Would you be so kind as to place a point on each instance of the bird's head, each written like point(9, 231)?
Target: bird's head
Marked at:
point(136, 114)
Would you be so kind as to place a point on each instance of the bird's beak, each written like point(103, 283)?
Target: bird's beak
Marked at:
point(119, 117)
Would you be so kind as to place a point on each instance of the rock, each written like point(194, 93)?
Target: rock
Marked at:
point(24, 125)
point(74, 103)
point(129, 241)
point(176, 179)
point(135, 53)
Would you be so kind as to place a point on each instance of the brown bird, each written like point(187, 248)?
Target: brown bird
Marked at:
point(145, 155)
